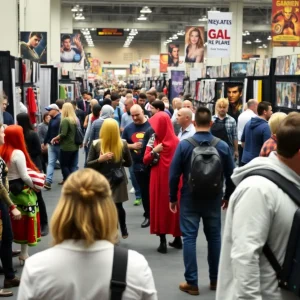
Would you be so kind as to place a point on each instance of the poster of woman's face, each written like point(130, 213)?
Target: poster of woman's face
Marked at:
point(194, 44)
point(173, 60)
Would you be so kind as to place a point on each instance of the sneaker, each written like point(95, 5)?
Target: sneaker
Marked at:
point(61, 182)
point(137, 202)
point(190, 289)
point(47, 185)
point(132, 191)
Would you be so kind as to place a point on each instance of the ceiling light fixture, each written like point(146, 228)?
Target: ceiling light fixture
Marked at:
point(145, 10)
point(142, 18)
point(269, 38)
point(203, 19)
point(79, 16)
point(75, 8)
point(181, 32)
point(248, 42)
point(257, 41)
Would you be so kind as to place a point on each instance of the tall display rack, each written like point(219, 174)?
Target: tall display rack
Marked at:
point(286, 86)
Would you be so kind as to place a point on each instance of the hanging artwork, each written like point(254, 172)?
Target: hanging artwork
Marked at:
point(33, 46)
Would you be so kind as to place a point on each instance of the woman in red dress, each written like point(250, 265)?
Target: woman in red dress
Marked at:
point(159, 153)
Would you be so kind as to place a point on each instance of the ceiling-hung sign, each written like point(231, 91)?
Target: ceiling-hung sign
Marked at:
point(110, 32)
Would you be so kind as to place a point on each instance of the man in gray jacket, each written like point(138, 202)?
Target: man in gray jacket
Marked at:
point(259, 212)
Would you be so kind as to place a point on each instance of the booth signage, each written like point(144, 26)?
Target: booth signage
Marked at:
point(218, 34)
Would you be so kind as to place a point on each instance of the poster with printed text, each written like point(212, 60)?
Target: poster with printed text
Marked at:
point(71, 49)
point(194, 44)
point(33, 46)
point(218, 34)
point(286, 23)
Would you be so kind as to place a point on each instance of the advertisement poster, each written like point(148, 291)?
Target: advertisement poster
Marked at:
point(238, 69)
point(218, 34)
point(174, 59)
point(177, 83)
point(286, 93)
point(146, 66)
point(135, 68)
point(163, 63)
point(33, 46)
point(95, 66)
point(71, 50)
point(154, 65)
point(286, 23)
point(194, 44)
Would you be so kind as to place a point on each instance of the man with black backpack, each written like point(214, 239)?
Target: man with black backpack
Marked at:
point(204, 161)
point(260, 257)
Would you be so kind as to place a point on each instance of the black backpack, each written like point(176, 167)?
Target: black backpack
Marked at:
point(119, 272)
point(218, 129)
point(206, 176)
point(288, 274)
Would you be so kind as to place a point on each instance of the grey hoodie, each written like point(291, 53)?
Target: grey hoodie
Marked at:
point(258, 212)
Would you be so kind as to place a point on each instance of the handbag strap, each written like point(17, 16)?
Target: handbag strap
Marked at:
point(119, 272)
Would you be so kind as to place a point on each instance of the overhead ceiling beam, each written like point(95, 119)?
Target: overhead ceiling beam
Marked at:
point(169, 3)
point(158, 26)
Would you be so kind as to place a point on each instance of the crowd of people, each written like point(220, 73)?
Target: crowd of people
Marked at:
point(184, 163)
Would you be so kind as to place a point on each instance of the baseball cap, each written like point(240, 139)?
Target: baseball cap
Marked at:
point(52, 106)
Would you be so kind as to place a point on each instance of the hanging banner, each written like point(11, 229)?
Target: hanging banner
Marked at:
point(177, 83)
point(194, 44)
point(145, 66)
point(163, 63)
point(285, 23)
point(218, 34)
point(33, 46)
point(173, 60)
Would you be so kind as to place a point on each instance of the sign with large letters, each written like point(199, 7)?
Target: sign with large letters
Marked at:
point(218, 34)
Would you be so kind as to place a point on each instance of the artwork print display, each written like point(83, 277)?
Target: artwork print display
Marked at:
point(71, 49)
point(286, 95)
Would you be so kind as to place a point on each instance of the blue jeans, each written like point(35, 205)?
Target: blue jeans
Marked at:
point(75, 162)
point(67, 162)
point(53, 156)
point(189, 225)
point(135, 184)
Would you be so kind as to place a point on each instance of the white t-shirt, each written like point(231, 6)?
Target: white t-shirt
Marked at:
point(243, 120)
point(72, 271)
point(68, 56)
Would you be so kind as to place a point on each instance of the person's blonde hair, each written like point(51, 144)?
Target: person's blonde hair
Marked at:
point(110, 139)
point(275, 121)
point(68, 112)
point(85, 210)
point(221, 102)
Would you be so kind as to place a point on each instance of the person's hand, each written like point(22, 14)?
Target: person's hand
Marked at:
point(16, 214)
point(138, 145)
point(54, 140)
point(107, 156)
point(173, 207)
point(158, 148)
point(225, 204)
point(82, 145)
point(236, 154)
point(43, 147)
point(61, 50)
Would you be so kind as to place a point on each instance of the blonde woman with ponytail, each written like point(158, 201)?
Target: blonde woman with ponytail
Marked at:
point(109, 155)
point(84, 230)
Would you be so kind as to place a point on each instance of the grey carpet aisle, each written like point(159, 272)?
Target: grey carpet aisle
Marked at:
point(167, 268)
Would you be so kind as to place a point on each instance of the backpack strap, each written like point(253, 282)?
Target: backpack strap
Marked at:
point(292, 191)
point(213, 142)
point(119, 271)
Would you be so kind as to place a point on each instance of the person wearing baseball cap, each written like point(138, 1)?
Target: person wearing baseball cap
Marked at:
point(53, 149)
